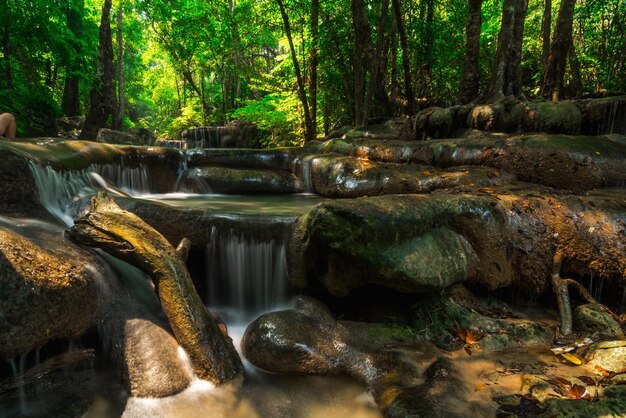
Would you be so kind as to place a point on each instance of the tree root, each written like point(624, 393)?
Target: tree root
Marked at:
point(561, 289)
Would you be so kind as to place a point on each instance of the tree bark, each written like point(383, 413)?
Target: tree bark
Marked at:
point(102, 96)
point(406, 65)
point(576, 84)
point(428, 39)
point(554, 67)
point(125, 236)
point(70, 103)
point(308, 123)
point(313, 61)
point(119, 118)
point(6, 45)
point(546, 27)
point(362, 47)
point(514, 79)
point(470, 82)
point(506, 77)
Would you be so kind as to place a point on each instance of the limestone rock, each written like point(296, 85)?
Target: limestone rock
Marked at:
point(612, 359)
point(590, 318)
point(44, 295)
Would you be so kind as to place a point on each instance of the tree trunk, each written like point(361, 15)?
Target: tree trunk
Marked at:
point(362, 47)
point(313, 61)
point(308, 123)
point(498, 77)
point(576, 84)
point(514, 79)
point(546, 27)
point(102, 96)
point(119, 119)
point(506, 79)
point(406, 66)
point(368, 59)
point(70, 103)
point(554, 67)
point(428, 39)
point(470, 82)
point(6, 45)
point(378, 64)
point(125, 236)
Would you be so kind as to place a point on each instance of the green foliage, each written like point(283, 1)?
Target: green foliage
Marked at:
point(205, 62)
point(276, 115)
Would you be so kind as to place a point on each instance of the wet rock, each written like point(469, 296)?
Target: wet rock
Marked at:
point(301, 341)
point(602, 116)
point(306, 339)
point(434, 315)
point(610, 358)
point(553, 118)
point(590, 318)
point(343, 177)
point(70, 126)
point(496, 237)
point(611, 406)
point(109, 136)
point(44, 294)
point(136, 338)
point(272, 159)
point(232, 180)
point(577, 163)
point(392, 129)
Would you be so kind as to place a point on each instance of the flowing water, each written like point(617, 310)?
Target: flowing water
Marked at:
point(246, 275)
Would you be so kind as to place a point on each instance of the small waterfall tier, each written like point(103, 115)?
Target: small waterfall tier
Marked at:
point(247, 270)
point(237, 134)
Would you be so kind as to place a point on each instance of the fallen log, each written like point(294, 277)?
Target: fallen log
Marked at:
point(125, 236)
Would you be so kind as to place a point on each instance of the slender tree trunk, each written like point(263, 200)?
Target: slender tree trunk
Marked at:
point(546, 27)
point(119, 119)
point(6, 44)
point(362, 47)
point(70, 103)
point(313, 61)
point(308, 124)
point(470, 82)
point(428, 37)
point(514, 79)
point(406, 65)
point(498, 77)
point(376, 60)
point(576, 84)
point(554, 67)
point(102, 104)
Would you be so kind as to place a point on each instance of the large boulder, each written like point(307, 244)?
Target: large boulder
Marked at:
point(45, 294)
point(493, 236)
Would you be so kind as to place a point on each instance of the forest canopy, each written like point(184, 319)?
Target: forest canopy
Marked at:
point(296, 68)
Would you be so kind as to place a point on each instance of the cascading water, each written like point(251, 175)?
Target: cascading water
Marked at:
point(246, 275)
point(58, 189)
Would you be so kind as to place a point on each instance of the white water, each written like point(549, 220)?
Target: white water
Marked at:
point(57, 190)
point(246, 276)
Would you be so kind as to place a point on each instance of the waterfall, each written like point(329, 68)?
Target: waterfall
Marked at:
point(304, 165)
point(246, 275)
point(58, 189)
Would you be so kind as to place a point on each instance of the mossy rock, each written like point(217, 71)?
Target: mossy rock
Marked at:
point(555, 118)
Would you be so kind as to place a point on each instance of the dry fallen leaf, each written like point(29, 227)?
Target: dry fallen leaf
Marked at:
point(572, 358)
point(479, 387)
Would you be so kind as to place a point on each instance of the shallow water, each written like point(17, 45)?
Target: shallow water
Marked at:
point(285, 205)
